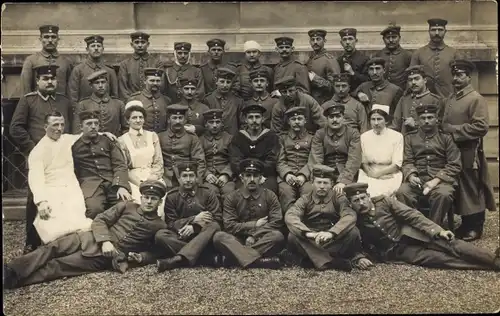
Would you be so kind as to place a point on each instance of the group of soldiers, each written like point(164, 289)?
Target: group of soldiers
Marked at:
point(257, 158)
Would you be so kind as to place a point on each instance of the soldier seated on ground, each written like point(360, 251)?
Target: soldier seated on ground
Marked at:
point(252, 222)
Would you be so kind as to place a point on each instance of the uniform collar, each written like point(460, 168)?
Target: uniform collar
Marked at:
point(344, 100)
point(418, 96)
point(178, 67)
point(150, 95)
point(46, 98)
point(396, 51)
point(261, 98)
point(436, 47)
point(286, 62)
point(465, 91)
point(171, 133)
point(339, 132)
point(326, 199)
point(93, 64)
point(87, 140)
point(136, 132)
point(187, 193)
point(250, 66)
point(213, 65)
point(318, 54)
point(300, 135)
point(264, 131)
point(381, 86)
point(148, 215)
point(143, 57)
point(347, 55)
point(211, 137)
point(246, 194)
point(428, 136)
point(96, 99)
point(46, 54)
point(219, 95)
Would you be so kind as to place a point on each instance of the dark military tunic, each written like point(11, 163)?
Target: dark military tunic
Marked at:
point(467, 112)
point(392, 231)
point(209, 72)
point(173, 73)
point(314, 114)
point(156, 109)
point(28, 75)
point(216, 149)
point(406, 108)
point(194, 114)
point(28, 120)
point(180, 147)
point(358, 61)
point(293, 68)
point(101, 170)
point(268, 103)
point(324, 65)
point(436, 61)
point(385, 94)
point(231, 104)
point(125, 225)
point(131, 76)
point(355, 114)
point(331, 213)
point(79, 86)
point(111, 113)
point(340, 150)
point(242, 84)
point(430, 156)
point(396, 62)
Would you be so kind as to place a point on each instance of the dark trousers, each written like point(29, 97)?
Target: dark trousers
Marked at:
point(221, 192)
point(345, 247)
point(59, 258)
point(103, 198)
point(32, 238)
point(200, 245)
point(473, 222)
point(268, 242)
point(440, 200)
point(456, 254)
point(288, 194)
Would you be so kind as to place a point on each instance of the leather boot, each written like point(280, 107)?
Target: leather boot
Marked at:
point(170, 263)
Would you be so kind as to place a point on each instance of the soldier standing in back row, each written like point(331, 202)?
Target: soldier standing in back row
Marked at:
point(322, 66)
point(260, 81)
point(182, 69)
point(131, 74)
point(352, 61)
point(79, 87)
point(209, 69)
point(289, 66)
point(49, 37)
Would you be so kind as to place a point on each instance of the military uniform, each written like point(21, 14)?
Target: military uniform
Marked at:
point(131, 75)
point(355, 113)
point(339, 149)
point(179, 147)
point(111, 113)
point(406, 108)
point(101, 170)
point(314, 115)
point(242, 209)
point(209, 69)
point(125, 225)
point(292, 159)
point(264, 99)
point(295, 69)
point(78, 84)
point(243, 85)
point(196, 109)
point(467, 113)
point(331, 213)
point(156, 109)
point(392, 231)
point(181, 207)
point(429, 156)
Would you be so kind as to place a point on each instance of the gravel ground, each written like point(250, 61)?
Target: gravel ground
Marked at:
point(387, 288)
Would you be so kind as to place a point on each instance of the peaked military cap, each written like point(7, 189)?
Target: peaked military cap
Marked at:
point(462, 65)
point(94, 39)
point(48, 28)
point(46, 69)
point(87, 115)
point(225, 73)
point(187, 166)
point(322, 171)
point(342, 77)
point(376, 61)
point(154, 187)
point(317, 32)
point(295, 111)
point(348, 32)
point(251, 165)
point(188, 81)
point(284, 40)
point(253, 107)
point(437, 22)
point(213, 114)
point(216, 42)
point(355, 189)
point(260, 73)
point(184, 46)
point(391, 30)
point(178, 109)
point(332, 107)
point(426, 108)
point(285, 82)
point(153, 72)
point(415, 70)
point(139, 35)
point(98, 75)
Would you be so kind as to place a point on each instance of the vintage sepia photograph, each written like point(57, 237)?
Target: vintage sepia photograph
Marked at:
point(250, 158)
